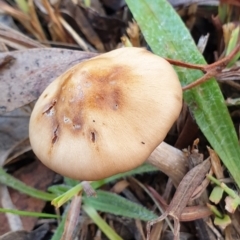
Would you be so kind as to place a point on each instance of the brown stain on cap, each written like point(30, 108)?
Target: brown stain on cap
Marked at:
point(86, 87)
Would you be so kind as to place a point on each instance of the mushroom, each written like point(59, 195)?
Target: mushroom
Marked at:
point(106, 115)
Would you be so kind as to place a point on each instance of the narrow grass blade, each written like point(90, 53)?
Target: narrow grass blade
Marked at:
point(27, 213)
point(60, 229)
point(105, 228)
point(14, 183)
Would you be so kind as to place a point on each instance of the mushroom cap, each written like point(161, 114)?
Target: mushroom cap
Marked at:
point(106, 115)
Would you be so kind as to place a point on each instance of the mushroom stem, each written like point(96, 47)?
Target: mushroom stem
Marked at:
point(170, 161)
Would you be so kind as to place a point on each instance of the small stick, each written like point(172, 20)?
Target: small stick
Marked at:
point(210, 70)
point(199, 81)
point(186, 65)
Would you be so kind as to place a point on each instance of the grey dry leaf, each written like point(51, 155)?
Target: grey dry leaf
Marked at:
point(13, 129)
point(24, 78)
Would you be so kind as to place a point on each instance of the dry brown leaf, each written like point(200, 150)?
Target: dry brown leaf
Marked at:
point(35, 21)
point(22, 17)
point(54, 20)
point(120, 186)
point(75, 15)
point(133, 32)
point(189, 213)
point(216, 164)
point(107, 28)
point(16, 39)
point(72, 217)
point(183, 193)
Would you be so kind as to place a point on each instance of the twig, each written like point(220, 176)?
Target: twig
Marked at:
point(210, 70)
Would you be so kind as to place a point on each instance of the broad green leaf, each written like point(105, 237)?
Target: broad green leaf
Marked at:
point(113, 203)
point(167, 36)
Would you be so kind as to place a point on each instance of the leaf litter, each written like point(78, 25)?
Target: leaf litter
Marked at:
point(25, 74)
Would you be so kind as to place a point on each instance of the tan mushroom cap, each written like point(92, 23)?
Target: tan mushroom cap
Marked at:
point(105, 115)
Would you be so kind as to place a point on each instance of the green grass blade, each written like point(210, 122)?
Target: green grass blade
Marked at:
point(105, 228)
point(60, 229)
point(167, 36)
point(14, 183)
point(113, 203)
point(60, 200)
point(59, 189)
point(232, 44)
point(27, 213)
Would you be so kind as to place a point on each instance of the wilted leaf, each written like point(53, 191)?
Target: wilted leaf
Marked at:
point(30, 71)
point(216, 164)
point(189, 213)
point(187, 187)
point(182, 195)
